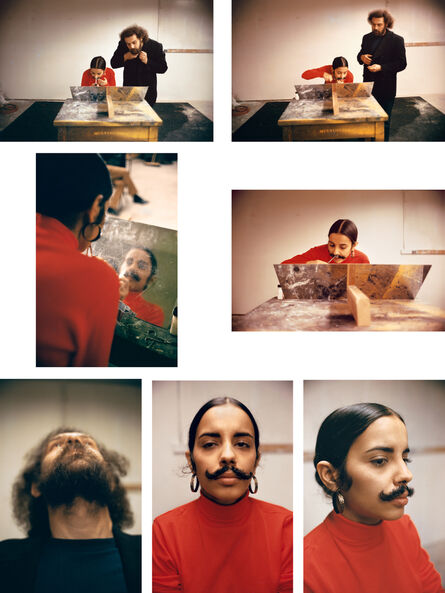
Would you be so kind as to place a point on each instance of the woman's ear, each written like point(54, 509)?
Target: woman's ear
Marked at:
point(257, 462)
point(94, 211)
point(328, 475)
point(189, 458)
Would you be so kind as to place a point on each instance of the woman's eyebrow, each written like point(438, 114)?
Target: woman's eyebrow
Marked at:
point(385, 449)
point(218, 435)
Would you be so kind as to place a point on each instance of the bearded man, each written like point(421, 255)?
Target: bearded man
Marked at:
point(382, 55)
point(70, 500)
point(142, 58)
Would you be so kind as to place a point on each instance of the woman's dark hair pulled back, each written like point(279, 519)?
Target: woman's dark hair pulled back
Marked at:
point(338, 432)
point(98, 62)
point(346, 227)
point(68, 184)
point(339, 62)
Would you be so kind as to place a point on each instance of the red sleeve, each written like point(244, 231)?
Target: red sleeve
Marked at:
point(349, 77)
point(430, 578)
point(316, 72)
point(85, 79)
point(303, 258)
point(110, 77)
point(101, 320)
point(166, 578)
point(286, 573)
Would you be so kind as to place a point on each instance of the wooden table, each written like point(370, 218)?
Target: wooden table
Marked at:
point(313, 315)
point(132, 121)
point(358, 117)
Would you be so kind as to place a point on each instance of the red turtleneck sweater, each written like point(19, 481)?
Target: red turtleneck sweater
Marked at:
point(321, 252)
point(77, 300)
point(143, 309)
point(204, 547)
point(343, 556)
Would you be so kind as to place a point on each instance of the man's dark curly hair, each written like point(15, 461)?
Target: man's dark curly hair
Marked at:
point(140, 33)
point(31, 513)
point(380, 13)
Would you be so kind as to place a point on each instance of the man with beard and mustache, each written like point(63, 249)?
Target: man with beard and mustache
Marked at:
point(139, 267)
point(340, 248)
point(70, 500)
point(382, 55)
point(142, 58)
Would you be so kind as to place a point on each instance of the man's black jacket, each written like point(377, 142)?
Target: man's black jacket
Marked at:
point(19, 561)
point(390, 54)
point(136, 73)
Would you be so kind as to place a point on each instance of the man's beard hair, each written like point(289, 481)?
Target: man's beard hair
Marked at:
point(66, 481)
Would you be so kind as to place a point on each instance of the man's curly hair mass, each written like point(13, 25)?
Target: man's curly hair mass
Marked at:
point(140, 33)
point(31, 513)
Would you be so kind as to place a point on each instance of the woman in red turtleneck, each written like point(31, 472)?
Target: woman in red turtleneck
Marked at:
point(225, 541)
point(77, 296)
point(366, 545)
point(340, 249)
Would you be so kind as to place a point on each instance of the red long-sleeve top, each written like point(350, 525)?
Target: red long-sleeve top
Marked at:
point(88, 80)
point(77, 300)
point(318, 73)
point(204, 547)
point(343, 556)
point(321, 252)
point(144, 310)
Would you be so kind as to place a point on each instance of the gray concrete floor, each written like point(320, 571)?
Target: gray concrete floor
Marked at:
point(436, 100)
point(7, 117)
point(159, 186)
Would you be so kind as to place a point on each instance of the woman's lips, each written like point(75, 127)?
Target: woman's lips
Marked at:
point(401, 501)
point(227, 479)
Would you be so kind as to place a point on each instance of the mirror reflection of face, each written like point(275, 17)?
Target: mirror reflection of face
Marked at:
point(225, 436)
point(96, 72)
point(378, 26)
point(134, 44)
point(340, 245)
point(340, 73)
point(377, 462)
point(137, 268)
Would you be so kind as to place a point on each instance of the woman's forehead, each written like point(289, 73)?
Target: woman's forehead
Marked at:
point(227, 417)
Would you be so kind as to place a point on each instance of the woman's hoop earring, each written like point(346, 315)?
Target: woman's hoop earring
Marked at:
point(82, 232)
point(194, 483)
point(255, 490)
point(338, 502)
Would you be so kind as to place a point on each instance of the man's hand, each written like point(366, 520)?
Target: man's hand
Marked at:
point(327, 76)
point(124, 287)
point(129, 56)
point(374, 68)
point(143, 57)
point(366, 58)
point(102, 81)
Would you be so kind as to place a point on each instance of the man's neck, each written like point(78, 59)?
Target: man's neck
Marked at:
point(81, 520)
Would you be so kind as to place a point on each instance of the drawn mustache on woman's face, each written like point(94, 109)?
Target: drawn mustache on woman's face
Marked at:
point(133, 275)
point(397, 493)
point(219, 472)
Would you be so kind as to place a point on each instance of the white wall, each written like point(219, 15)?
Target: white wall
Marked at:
point(29, 410)
point(270, 226)
point(274, 41)
point(174, 406)
point(45, 46)
point(422, 405)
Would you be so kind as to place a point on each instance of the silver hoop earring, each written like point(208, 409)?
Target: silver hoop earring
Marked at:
point(255, 490)
point(194, 483)
point(338, 502)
